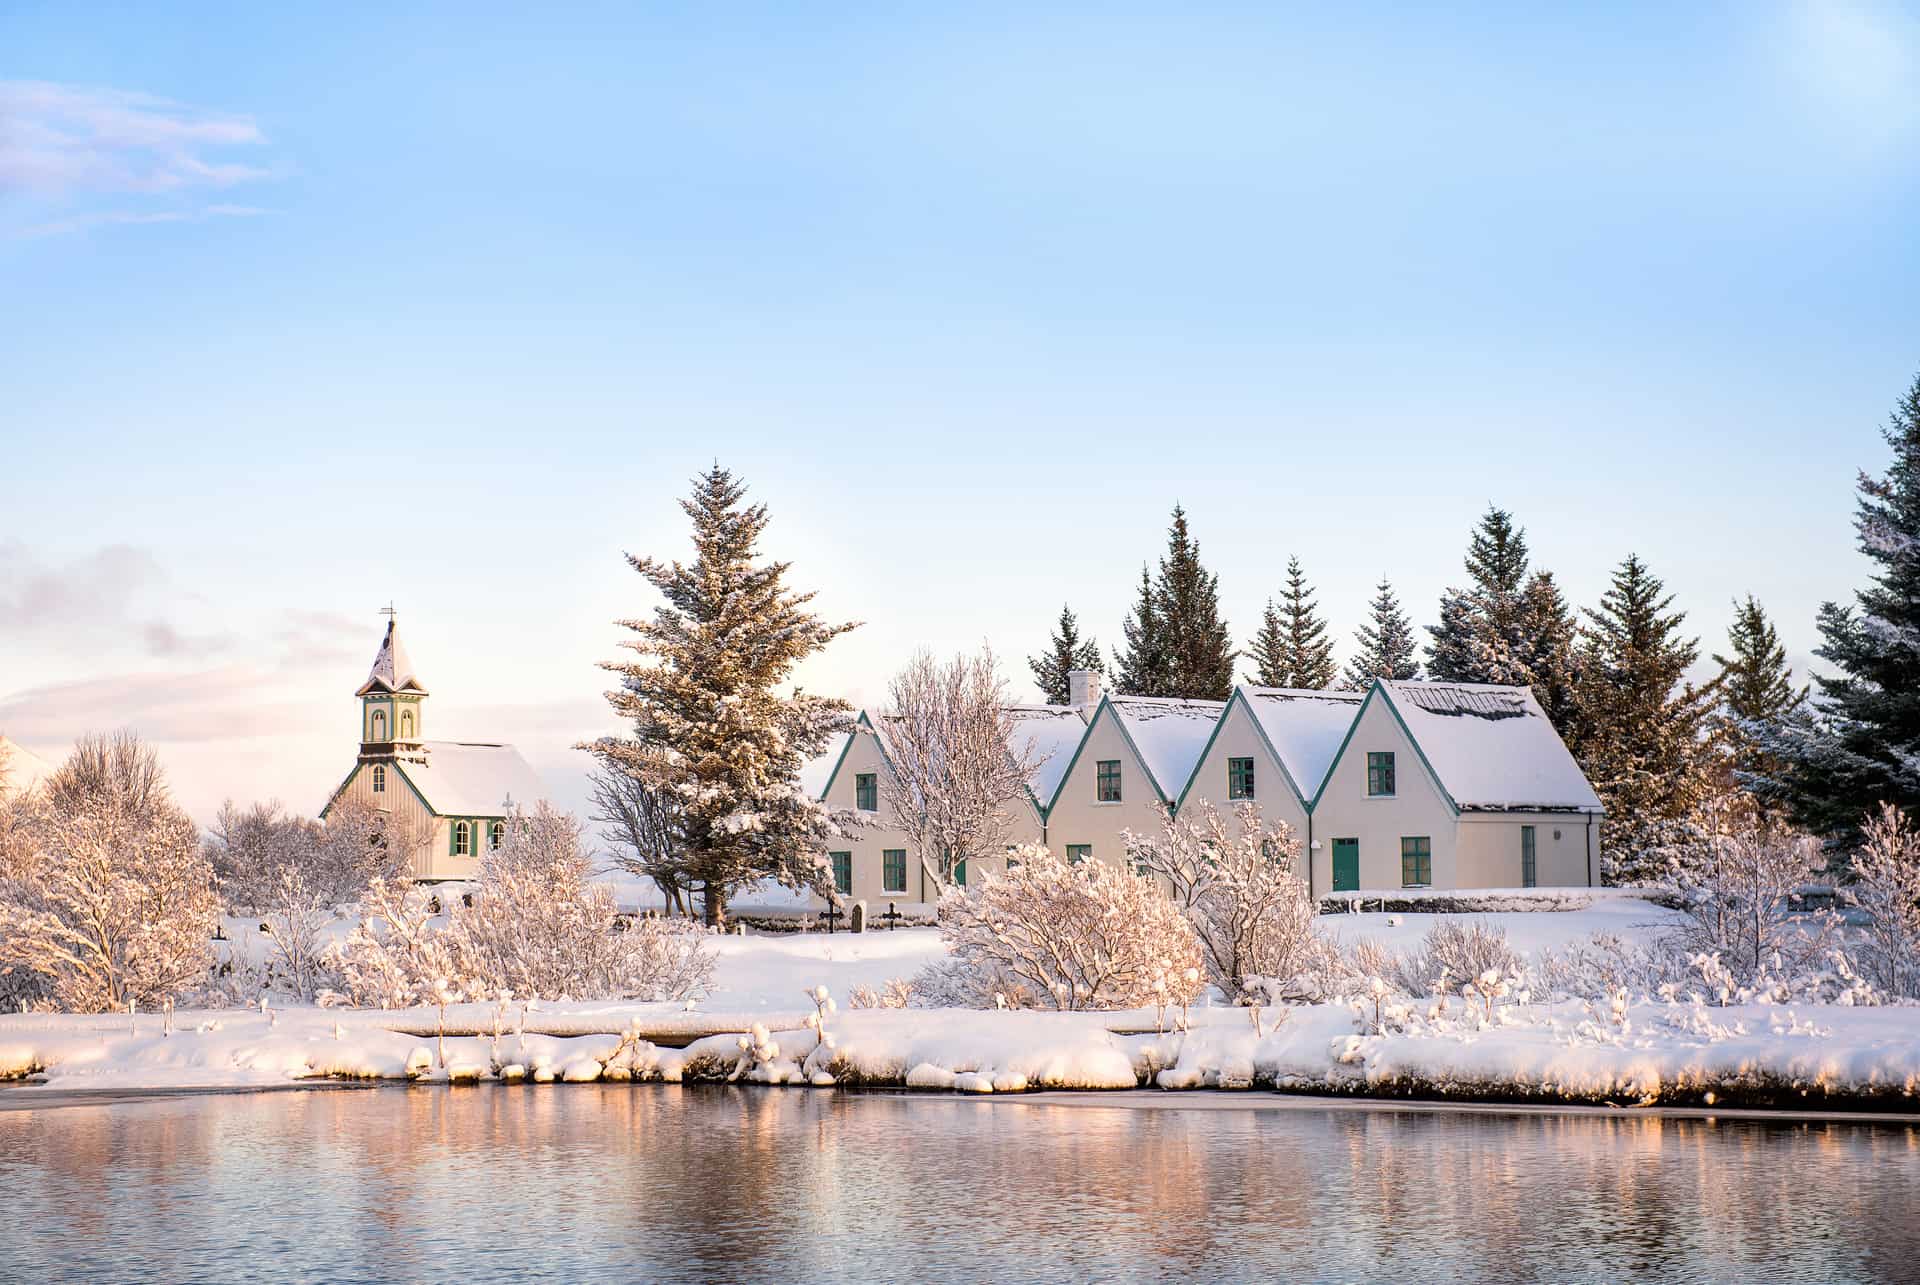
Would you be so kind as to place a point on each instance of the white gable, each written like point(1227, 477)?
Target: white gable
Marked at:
point(466, 778)
point(1304, 727)
point(1493, 748)
point(1170, 735)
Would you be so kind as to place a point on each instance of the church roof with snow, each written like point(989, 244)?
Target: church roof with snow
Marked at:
point(472, 778)
point(392, 668)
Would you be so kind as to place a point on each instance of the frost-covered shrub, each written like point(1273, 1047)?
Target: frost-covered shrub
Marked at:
point(895, 992)
point(1086, 936)
point(537, 925)
point(1737, 891)
point(107, 898)
point(1886, 873)
point(1238, 888)
point(1454, 952)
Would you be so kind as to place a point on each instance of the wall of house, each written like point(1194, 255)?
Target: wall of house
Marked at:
point(427, 856)
point(1239, 737)
point(1078, 818)
point(1418, 807)
point(1488, 849)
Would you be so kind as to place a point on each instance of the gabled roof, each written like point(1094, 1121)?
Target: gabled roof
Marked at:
point(1493, 748)
point(392, 668)
point(1168, 735)
point(1302, 728)
point(1051, 733)
point(472, 779)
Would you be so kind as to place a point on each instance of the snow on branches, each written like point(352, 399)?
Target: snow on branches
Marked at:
point(1085, 936)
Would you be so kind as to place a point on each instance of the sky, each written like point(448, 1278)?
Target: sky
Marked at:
point(307, 312)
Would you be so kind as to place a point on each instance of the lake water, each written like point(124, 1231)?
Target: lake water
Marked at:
point(655, 1182)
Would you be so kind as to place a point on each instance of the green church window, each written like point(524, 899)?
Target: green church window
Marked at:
point(462, 839)
point(496, 835)
point(379, 778)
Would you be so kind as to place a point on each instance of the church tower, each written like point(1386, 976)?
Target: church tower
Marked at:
point(392, 702)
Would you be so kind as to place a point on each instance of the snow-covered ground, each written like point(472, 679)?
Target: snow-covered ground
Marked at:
point(1649, 1050)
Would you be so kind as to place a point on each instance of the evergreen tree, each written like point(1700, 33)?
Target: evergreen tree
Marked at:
point(1066, 652)
point(1549, 635)
point(1641, 724)
point(1176, 643)
point(1756, 693)
point(1860, 743)
point(1144, 668)
point(1481, 637)
point(711, 726)
point(1199, 647)
point(1292, 648)
point(1387, 648)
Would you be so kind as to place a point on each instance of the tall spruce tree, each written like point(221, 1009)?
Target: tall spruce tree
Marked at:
point(1549, 634)
point(1387, 647)
point(1292, 648)
point(1757, 694)
point(1859, 744)
point(1481, 637)
point(1642, 726)
point(1199, 646)
point(711, 726)
point(1066, 651)
point(1145, 666)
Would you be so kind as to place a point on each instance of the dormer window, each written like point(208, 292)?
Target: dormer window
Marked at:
point(379, 778)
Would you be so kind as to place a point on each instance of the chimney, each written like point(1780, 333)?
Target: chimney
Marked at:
point(1083, 687)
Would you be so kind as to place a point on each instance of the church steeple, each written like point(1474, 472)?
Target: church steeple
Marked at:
point(392, 699)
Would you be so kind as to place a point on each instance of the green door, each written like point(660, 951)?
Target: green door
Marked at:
point(1346, 865)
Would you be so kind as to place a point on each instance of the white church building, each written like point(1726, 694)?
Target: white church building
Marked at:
point(449, 799)
point(1406, 785)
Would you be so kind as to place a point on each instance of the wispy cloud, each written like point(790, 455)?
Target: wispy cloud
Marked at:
point(67, 145)
point(115, 594)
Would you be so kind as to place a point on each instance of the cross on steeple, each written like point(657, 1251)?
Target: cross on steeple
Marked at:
point(388, 612)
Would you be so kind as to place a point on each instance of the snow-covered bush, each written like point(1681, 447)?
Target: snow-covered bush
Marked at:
point(537, 925)
point(1737, 890)
point(1886, 873)
point(895, 992)
point(1238, 887)
point(1086, 936)
point(107, 897)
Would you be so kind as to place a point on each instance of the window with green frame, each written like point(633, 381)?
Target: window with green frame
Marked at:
point(1380, 774)
point(1416, 862)
point(1529, 854)
point(462, 839)
point(893, 870)
point(866, 792)
point(842, 872)
point(1107, 781)
point(1239, 778)
point(379, 778)
point(1078, 852)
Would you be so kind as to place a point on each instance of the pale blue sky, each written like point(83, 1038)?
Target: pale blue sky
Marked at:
point(304, 312)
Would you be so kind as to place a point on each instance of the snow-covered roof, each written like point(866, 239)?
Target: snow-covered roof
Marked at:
point(1493, 748)
point(20, 768)
point(1171, 735)
point(1051, 733)
point(472, 778)
point(1305, 728)
point(392, 668)
point(817, 772)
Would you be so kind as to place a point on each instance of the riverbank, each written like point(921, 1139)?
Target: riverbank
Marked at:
point(1771, 1057)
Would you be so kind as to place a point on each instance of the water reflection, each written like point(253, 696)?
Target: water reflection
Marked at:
point(656, 1182)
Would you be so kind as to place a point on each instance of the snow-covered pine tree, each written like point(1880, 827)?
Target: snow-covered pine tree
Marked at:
point(1144, 667)
point(1199, 646)
point(1756, 693)
point(1859, 745)
point(1548, 635)
point(1641, 725)
point(1480, 636)
point(1066, 651)
point(1387, 648)
point(710, 723)
point(1292, 648)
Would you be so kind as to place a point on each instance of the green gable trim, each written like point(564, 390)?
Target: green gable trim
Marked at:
point(1100, 711)
point(1073, 762)
point(1379, 689)
point(1259, 731)
point(844, 751)
point(401, 772)
point(1139, 758)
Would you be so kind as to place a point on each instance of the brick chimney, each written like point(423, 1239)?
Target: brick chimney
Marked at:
point(1083, 687)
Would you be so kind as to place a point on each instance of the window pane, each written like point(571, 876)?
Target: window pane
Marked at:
point(1107, 781)
point(1380, 772)
point(1529, 871)
point(842, 871)
point(1240, 778)
point(893, 870)
point(1078, 852)
point(866, 792)
point(1416, 861)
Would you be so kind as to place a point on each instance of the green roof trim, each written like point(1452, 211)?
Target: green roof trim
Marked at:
point(1380, 689)
point(858, 723)
point(1239, 698)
